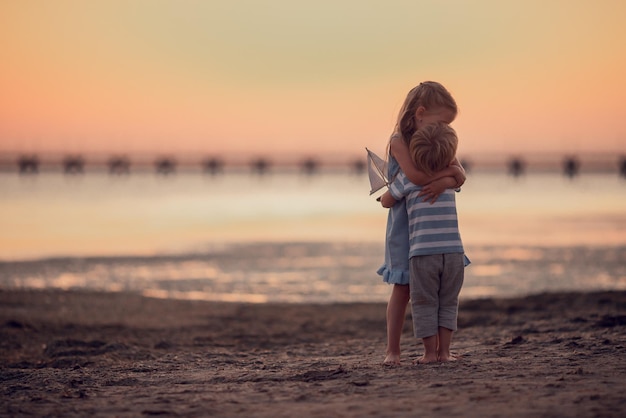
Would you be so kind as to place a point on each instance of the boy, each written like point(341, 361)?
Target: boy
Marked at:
point(436, 253)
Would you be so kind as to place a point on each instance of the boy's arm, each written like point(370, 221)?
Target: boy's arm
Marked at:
point(400, 151)
point(387, 200)
point(396, 191)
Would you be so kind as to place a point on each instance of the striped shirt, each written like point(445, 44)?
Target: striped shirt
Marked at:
point(433, 228)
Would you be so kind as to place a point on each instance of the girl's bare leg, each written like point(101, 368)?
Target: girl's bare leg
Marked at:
point(445, 339)
point(396, 312)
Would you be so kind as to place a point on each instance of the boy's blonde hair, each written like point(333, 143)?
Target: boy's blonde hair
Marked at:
point(428, 94)
point(433, 147)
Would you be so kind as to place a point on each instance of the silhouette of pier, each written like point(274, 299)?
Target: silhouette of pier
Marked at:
point(120, 164)
point(516, 166)
point(569, 165)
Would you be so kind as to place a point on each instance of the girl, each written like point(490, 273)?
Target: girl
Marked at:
point(427, 103)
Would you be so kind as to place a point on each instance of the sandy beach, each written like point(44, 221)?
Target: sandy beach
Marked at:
point(69, 353)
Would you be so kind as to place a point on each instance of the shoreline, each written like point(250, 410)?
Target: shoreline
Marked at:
point(76, 353)
point(306, 272)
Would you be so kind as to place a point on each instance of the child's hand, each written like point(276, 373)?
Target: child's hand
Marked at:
point(387, 200)
point(430, 192)
point(459, 176)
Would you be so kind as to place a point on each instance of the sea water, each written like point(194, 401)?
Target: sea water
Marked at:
point(292, 237)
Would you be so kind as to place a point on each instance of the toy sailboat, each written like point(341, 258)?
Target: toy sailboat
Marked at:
point(377, 171)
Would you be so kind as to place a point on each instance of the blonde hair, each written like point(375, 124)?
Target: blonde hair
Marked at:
point(428, 94)
point(433, 147)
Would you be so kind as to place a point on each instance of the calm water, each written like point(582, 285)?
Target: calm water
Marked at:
point(290, 237)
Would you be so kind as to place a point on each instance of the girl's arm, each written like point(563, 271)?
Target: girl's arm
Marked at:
point(430, 192)
point(460, 172)
point(400, 152)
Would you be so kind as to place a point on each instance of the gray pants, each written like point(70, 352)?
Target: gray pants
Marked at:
point(436, 282)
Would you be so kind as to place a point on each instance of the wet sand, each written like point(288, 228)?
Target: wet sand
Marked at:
point(123, 355)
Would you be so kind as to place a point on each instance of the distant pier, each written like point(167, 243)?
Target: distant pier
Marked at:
point(120, 164)
point(570, 165)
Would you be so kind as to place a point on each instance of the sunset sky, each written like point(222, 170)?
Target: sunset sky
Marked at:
point(324, 76)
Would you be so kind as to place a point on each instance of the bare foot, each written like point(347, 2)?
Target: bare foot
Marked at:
point(447, 358)
point(426, 359)
point(392, 360)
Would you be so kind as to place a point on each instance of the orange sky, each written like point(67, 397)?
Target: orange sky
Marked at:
point(307, 77)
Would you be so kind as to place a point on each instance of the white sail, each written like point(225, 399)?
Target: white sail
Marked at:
point(377, 171)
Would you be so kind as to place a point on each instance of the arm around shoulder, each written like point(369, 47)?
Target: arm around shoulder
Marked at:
point(400, 152)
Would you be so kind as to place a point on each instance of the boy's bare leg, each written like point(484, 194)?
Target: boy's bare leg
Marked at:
point(396, 312)
point(430, 350)
point(445, 339)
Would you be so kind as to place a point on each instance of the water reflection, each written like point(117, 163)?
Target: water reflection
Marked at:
point(322, 273)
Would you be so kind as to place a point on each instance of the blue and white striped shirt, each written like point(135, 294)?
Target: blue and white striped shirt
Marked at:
point(433, 228)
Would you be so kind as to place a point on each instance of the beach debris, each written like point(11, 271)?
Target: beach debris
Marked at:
point(515, 341)
point(13, 323)
point(610, 321)
point(318, 375)
point(163, 345)
point(73, 348)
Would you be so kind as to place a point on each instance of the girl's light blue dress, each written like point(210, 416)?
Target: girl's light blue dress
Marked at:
point(396, 267)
